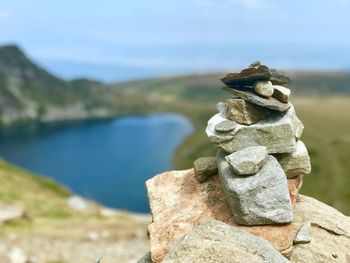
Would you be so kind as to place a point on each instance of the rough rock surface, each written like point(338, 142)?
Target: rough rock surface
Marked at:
point(279, 78)
point(225, 126)
point(247, 161)
point(174, 215)
point(277, 133)
point(146, 258)
point(215, 241)
point(248, 76)
point(263, 88)
point(303, 236)
point(297, 162)
point(330, 233)
point(205, 167)
point(259, 199)
point(244, 112)
point(281, 93)
point(251, 96)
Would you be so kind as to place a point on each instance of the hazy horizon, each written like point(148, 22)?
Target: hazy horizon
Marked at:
point(114, 40)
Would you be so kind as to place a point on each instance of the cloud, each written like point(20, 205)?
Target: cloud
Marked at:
point(4, 14)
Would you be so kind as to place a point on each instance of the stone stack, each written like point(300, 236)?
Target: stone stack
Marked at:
point(260, 165)
point(258, 134)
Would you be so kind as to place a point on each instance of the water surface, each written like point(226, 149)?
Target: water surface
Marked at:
point(108, 161)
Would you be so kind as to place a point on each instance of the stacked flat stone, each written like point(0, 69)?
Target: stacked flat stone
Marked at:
point(258, 134)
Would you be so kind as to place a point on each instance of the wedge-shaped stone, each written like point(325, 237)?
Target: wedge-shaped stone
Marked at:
point(303, 236)
point(215, 241)
point(259, 199)
point(297, 162)
point(251, 96)
point(244, 112)
point(278, 133)
point(247, 161)
point(281, 93)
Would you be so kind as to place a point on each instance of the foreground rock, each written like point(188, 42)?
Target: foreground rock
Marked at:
point(244, 112)
point(260, 199)
point(179, 203)
point(247, 161)
point(277, 132)
point(174, 216)
point(251, 96)
point(215, 241)
point(205, 167)
point(330, 233)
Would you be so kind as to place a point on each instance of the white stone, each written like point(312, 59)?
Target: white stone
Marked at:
point(304, 234)
point(264, 88)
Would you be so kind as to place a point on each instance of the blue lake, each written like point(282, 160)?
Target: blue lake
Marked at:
point(107, 161)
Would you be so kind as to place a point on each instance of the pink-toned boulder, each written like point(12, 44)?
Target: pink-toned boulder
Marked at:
point(179, 203)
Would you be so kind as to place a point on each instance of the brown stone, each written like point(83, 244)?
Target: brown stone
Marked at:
point(248, 76)
point(244, 112)
point(281, 93)
point(179, 203)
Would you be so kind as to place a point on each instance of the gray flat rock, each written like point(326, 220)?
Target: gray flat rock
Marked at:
point(215, 241)
point(205, 167)
point(279, 78)
point(304, 234)
point(146, 258)
point(247, 161)
point(251, 96)
point(261, 199)
point(225, 126)
point(278, 133)
point(297, 162)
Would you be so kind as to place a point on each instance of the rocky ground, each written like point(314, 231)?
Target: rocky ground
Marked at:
point(118, 237)
point(42, 222)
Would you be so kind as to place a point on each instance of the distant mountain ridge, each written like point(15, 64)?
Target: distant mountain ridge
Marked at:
point(30, 93)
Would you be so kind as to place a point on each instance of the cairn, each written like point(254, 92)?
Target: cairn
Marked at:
point(260, 165)
point(258, 134)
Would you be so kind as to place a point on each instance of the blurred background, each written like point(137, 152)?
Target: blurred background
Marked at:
point(98, 96)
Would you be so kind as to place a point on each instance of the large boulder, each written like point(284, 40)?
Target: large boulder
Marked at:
point(10, 212)
point(277, 132)
point(215, 241)
point(179, 202)
point(259, 199)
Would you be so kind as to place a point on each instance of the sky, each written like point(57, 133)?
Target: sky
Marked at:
point(114, 40)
